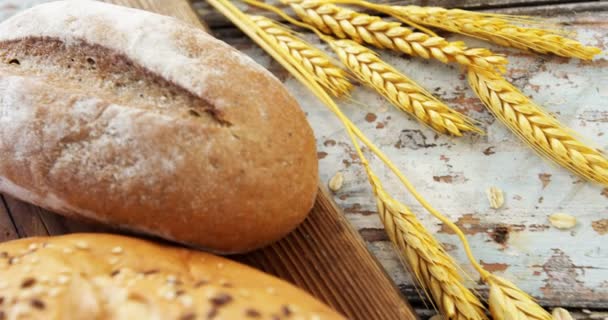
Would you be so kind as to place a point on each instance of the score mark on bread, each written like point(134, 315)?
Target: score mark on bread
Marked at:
point(144, 122)
point(94, 70)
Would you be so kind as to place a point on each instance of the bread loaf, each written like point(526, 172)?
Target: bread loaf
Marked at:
point(108, 277)
point(144, 122)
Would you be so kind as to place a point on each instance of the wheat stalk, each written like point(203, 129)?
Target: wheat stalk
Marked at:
point(537, 128)
point(373, 30)
point(507, 302)
point(431, 266)
point(396, 87)
point(317, 62)
point(399, 89)
point(438, 272)
point(441, 282)
point(500, 29)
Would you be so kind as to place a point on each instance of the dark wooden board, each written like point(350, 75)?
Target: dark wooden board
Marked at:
point(324, 256)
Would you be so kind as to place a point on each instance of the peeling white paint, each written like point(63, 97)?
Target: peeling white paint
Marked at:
point(574, 90)
point(513, 167)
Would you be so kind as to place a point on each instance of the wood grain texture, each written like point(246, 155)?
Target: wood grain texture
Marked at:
point(324, 269)
point(28, 221)
point(8, 230)
point(324, 256)
point(480, 4)
point(561, 268)
point(176, 8)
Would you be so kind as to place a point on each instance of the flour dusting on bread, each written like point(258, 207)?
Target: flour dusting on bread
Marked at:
point(149, 39)
point(139, 120)
point(48, 199)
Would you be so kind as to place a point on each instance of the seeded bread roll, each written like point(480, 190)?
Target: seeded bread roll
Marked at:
point(144, 122)
point(109, 277)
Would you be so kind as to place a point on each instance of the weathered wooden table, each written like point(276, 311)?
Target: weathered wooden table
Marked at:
point(560, 268)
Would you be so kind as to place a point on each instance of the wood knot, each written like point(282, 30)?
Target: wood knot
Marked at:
point(500, 234)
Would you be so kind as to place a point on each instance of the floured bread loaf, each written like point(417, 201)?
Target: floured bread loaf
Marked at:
point(144, 122)
point(107, 277)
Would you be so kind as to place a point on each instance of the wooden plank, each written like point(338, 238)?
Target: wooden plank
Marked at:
point(180, 9)
point(56, 224)
point(544, 8)
point(560, 268)
point(26, 218)
point(556, 9)
point(479, 4)
point(30, 220)
point(324, 255)
point(322, 250)
point(8, 231)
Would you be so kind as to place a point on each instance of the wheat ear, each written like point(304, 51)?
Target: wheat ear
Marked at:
point(317, 62)
point(507, 30)
point(431, 266)
point(395, 86)
point(302, 74)
point(507, 302)
point(400, 90)
point(500, 29)
point(449, 292)
point(537, 128)
point(373, 30)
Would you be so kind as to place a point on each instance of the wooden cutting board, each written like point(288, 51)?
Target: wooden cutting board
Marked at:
point(324, 256)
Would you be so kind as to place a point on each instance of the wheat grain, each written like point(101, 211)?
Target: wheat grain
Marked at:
point(336, 182)
point(373, 30)
point(396, 87)
point(319, 64)
point(520, 32)
point(562, 221)
point(537, 128)
point(401, 91)
point(500, 29)
point(561, 314)
point(435, 270)
point(431, 266)
point(508, 302)
point(496, 197)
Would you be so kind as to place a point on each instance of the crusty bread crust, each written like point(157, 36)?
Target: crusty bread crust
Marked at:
point(108, 277)
point(144, 122)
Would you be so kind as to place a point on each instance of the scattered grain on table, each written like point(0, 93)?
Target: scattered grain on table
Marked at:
point(562, 221)
point(496, 197)
point(561, 314)
point(336, 182)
